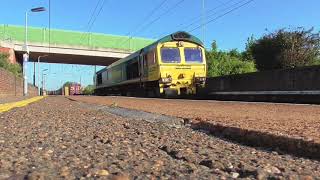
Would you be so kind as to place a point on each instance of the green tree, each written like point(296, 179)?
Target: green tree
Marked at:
point(68, 83)
point(230, 65)
point(222, 63)
point(235, 53)
point(89, 90)
point(286, 49)
point(247, 54)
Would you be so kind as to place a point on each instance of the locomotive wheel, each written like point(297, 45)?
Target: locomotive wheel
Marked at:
point(154, 93)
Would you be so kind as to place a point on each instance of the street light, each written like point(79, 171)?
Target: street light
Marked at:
point(43, 79)
point(34, 73)
point(26, 54)
point(38, 9)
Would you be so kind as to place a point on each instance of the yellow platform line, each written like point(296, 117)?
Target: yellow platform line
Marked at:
point(7, 106)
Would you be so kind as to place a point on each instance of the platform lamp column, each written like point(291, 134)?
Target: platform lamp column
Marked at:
point(26, 54)
point(25, 77)
point(39, 93)
point(25, 58)
point(43, 80)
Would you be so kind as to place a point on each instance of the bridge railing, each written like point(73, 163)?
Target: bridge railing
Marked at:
point(72, 38)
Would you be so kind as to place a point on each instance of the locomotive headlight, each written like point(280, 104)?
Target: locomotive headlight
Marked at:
point(166, 80)
point(200, 79)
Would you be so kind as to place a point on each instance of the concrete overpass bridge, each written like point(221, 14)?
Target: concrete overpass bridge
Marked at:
point(69, 47)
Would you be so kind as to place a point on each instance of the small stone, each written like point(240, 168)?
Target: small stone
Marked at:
point(293, 177)
point(36, 176)
point(114, 104)
point(102, 172)
point(235, 175)
point(272, 170)
point(65, 172)
point(207, 163)
point(4, 176)
point(223, 178)
point(158, 164)
point(230, 166)
point(306, 178)
point(261, 174)
point(121, 177)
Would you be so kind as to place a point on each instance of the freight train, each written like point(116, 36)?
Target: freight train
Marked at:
point(70, 89)
point(173, 65)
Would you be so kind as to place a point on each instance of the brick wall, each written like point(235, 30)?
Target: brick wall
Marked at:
point(10, 85)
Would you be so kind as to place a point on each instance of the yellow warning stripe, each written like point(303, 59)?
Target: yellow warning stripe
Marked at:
point(7, 106)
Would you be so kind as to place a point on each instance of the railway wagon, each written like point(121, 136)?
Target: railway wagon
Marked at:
point(284, 85)
point(71, 89)
point(75, 89)
point(173, 65)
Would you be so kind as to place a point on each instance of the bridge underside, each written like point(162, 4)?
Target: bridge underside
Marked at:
point(67, 54)
point(67, 58)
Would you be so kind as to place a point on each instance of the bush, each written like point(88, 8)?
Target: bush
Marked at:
point(16, 69)
point(89, 90)
point(230, 66)
point(226, 63)
point(286, 49)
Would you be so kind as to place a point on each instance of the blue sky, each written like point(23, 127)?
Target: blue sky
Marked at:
point(120, 17)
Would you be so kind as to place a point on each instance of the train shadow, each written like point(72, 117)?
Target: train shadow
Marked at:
point(264, 140)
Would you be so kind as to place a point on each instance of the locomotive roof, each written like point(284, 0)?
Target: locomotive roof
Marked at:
point(178, 36)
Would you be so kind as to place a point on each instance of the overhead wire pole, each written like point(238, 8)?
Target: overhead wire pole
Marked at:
point(49, 7)
point(212, 12)
point(199, 18)
point(95, 18)
point(91, 18)
point(159, 17)
point(222, 15)
point(203, 22)
point(130, 34)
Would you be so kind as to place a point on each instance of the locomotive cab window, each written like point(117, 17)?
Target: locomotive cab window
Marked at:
point(170, 55)
point(99, 78)
point(193, 55)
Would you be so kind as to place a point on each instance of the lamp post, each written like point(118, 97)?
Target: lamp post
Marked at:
point(43, 79)
point(34, 74)
point(26, 54)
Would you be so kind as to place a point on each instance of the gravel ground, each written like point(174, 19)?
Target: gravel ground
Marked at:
point(58, 138)
point(297, 121)
point(9, 99)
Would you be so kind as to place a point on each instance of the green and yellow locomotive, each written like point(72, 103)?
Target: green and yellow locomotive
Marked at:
point(175, 64)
